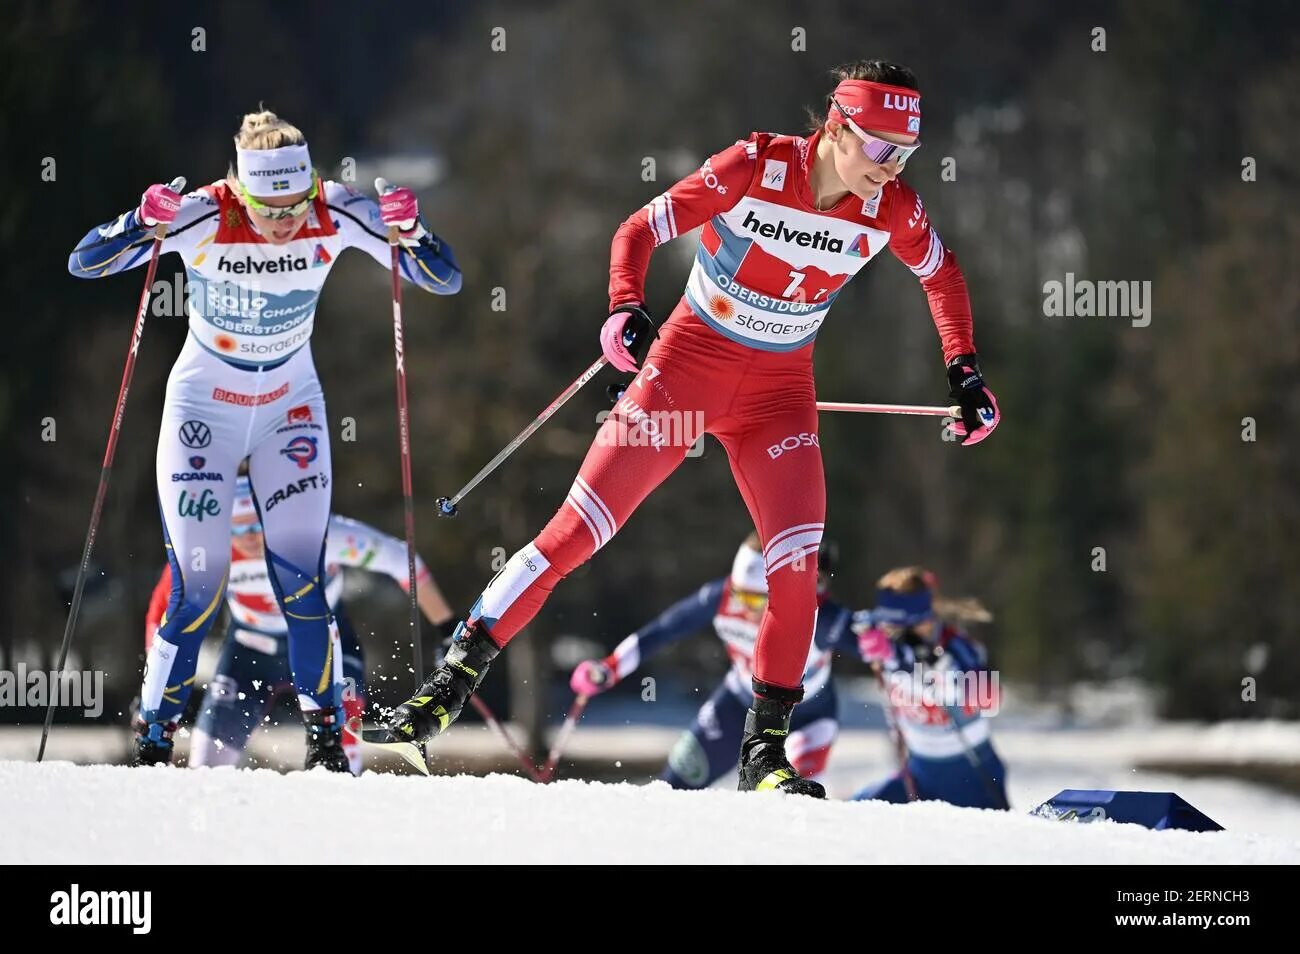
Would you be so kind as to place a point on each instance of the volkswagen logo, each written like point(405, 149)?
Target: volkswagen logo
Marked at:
point(196, 434)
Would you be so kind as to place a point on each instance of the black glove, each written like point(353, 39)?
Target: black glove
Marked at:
point(979, 408)
point(638, 330)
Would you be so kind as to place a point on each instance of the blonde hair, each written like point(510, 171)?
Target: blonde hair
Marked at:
point(265, 130)
point(907, 579)
point(914, 579)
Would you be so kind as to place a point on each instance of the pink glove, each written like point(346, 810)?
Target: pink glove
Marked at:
point(591, 677)
point(979, 408)
point(611, 341)
point(874, 646)
point(159, 205)
point(399, 207)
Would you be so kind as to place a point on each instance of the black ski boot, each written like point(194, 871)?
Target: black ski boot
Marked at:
point(325, 740)
point(763, 765)
point(153, 742)
point(437, 703)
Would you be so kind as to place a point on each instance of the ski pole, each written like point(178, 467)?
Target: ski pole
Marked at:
point(921, 409)
point(114, 431)
point(562, 737)
point(900, 744)
point(482, 709)
point(990, 785)
point(404, 438)
point(447, 505)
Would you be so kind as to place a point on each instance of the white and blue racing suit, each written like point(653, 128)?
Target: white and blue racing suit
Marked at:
point(245, 385)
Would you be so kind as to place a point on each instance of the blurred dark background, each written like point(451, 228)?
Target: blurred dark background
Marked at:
point(1127, 164)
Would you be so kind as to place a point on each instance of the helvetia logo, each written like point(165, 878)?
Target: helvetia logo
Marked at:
point(321, 257)
point(821, 241)
point(860, 247)
point(253, 266)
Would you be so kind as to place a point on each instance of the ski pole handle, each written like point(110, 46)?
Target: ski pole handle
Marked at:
point(177, 185)
point(918, 409)
point(383, 187)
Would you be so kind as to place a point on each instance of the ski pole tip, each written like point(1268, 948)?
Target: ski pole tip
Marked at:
point(446, 508)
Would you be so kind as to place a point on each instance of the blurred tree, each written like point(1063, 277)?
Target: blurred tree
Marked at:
point(1042, 156)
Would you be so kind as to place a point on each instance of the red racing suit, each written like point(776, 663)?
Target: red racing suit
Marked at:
point(735, 360)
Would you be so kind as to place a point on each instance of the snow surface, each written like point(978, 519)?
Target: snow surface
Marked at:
point(61, 812)
point(58, 812)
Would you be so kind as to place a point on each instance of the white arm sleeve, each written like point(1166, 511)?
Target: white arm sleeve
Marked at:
point(356, 544)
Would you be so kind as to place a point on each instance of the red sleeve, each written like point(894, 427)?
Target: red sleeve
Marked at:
point(917, 245)
point(715, 187)
point(162, 594)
